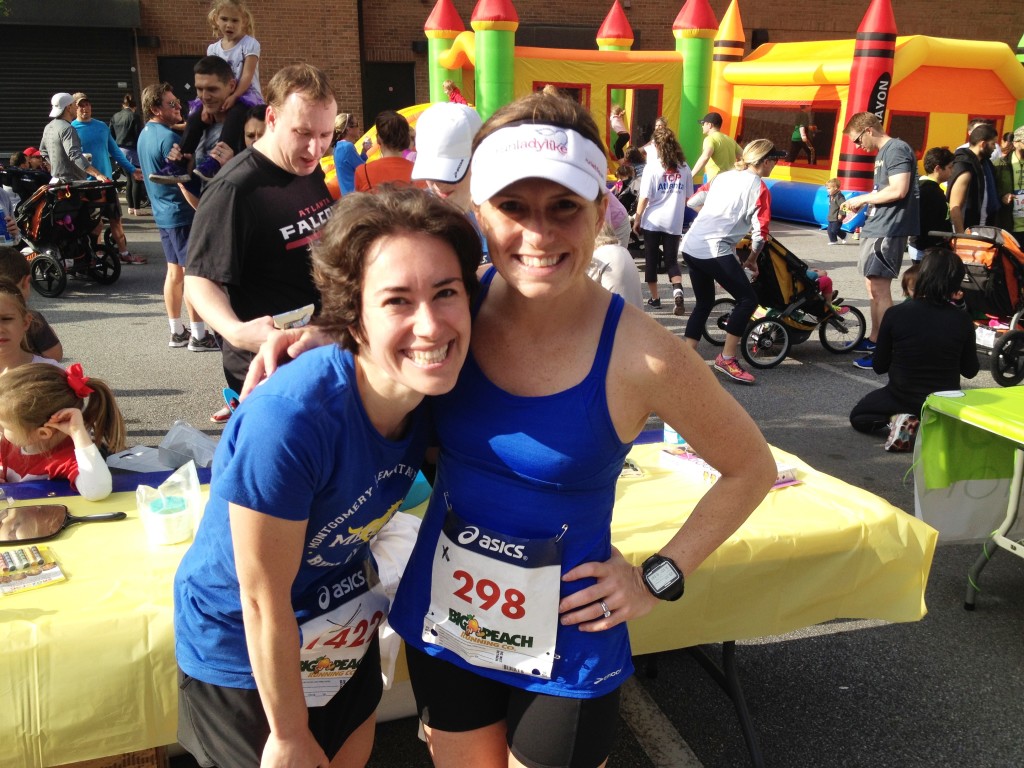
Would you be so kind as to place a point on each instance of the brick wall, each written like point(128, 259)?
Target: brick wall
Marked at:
point(327, 35)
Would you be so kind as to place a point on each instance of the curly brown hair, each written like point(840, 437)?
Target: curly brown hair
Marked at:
point(358, 222)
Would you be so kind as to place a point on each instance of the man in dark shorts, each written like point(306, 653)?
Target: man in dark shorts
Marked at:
point(893, 216)
point(248, 256)
point(172, 214)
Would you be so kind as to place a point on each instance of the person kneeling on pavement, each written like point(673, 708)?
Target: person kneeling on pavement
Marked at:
point(925, 345)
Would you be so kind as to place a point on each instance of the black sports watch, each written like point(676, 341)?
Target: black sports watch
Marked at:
point(662, 577)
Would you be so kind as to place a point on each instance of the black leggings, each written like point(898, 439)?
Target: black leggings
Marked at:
point(727, 272)
point(876, 409)
point(670, 244)
point(620, 142)
point(232, 134)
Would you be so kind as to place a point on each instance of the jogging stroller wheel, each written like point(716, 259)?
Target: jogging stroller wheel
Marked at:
point(108, 239)
point(841, 333)
point(766, 343)
point(714, 326)
point(1008, 359)
point(47, 275)
point(105, 267)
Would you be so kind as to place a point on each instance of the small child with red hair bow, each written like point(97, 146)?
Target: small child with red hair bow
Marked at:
point(55, 424)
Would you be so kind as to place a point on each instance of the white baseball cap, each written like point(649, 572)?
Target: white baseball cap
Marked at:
point(59, 103)
point(444, 142)
point(537, 150)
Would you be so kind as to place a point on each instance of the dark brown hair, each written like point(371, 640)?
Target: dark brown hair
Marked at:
point(358, 222)
point(392, 130)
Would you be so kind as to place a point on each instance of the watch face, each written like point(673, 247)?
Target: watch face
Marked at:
point(662, 576)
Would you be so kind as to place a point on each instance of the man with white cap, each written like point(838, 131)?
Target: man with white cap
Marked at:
point(444, 145)
point(61, 146)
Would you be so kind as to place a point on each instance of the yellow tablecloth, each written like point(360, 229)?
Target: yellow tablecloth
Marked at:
point(87, 667)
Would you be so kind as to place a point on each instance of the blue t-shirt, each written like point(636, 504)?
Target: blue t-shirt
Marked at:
point(300, 448)
point(346, 160)
point(525, 467)
point(98, 142)
point(170, 209)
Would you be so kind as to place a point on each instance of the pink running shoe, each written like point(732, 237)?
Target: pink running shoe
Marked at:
point(731, 368)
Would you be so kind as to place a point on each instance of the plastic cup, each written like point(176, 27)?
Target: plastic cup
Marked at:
point(167, 520)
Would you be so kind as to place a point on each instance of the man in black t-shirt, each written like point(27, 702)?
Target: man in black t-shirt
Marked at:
point(248, 255)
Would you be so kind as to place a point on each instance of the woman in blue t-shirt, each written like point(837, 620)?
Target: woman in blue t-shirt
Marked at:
point(277, 601)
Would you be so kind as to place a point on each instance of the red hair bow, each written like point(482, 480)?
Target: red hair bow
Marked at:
point(78, 381)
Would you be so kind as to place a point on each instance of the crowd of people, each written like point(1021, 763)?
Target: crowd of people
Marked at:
point(475, 308)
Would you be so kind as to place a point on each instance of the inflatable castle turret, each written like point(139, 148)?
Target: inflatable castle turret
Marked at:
point(441, 28)
point(495, 23)
point(694, 30)
point(615, 34)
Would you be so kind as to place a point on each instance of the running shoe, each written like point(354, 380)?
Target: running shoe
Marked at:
point(206, 344)
point(731, 368)
point(680, 308)
point(902, 433)
point(171, 173)
point(864, 363)
point(866, 345)
point(179, 339)
point(656, 303)
point(131, 258)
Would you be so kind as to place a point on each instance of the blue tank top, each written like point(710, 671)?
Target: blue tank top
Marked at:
point(528, 467)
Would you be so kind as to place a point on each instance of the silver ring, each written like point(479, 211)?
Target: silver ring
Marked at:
point(604, 608)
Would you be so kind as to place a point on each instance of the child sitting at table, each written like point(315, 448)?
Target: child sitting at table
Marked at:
point(55, 424)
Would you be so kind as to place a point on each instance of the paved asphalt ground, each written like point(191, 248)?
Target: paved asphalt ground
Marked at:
point(943, 691)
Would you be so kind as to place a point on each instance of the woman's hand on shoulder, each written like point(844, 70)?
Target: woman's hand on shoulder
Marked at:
point(617, 584)
point(279, 348)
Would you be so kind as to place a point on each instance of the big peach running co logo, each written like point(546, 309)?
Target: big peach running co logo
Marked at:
point(325, 666)
point(474, 632)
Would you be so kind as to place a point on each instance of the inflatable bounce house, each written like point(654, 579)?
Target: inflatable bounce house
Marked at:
point(924, 89)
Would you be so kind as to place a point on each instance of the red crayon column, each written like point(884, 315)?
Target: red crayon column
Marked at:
point(870, 83)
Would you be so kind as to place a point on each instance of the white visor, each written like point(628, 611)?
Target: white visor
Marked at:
point(537, 151)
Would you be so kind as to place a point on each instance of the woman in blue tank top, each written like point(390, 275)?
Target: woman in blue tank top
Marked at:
point(514, 604)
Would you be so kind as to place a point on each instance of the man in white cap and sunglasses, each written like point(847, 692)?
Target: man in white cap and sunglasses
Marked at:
point(444, 145)
point(60, 145)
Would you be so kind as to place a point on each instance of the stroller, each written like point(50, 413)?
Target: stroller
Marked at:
point(994, 294)
point(57, 221)
point(793, 307)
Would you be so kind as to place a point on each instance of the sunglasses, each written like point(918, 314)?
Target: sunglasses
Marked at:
point(172, 105)
point(859, 137)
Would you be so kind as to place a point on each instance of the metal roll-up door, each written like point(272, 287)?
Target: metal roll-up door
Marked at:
point(38, 62)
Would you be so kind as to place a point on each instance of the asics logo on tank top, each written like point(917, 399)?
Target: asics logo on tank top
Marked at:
point(491, 543)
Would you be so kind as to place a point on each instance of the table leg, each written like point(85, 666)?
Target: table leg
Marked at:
point(728, 679)
point(998, 539)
